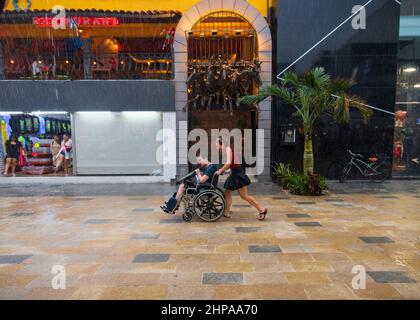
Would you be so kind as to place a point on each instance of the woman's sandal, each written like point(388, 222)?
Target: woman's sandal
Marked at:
point(263, 214)
point(229, 215)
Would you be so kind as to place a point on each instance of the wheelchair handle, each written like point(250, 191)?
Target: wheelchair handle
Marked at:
point(189, 175)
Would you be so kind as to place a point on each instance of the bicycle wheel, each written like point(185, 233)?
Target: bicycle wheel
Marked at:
point(335, 169)
point(345, 173)
point(377, 172)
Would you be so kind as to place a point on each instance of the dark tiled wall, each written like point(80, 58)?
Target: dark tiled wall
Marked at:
point(368, 56)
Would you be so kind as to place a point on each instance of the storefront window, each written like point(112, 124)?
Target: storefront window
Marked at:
point(45, 141)
point(92, 46)
point(407, 120)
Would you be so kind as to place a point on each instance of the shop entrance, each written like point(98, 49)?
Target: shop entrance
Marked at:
point(222, 67)
point(41, 138)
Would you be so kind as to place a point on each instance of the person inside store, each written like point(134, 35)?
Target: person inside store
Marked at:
point(64, 155)
point(55, 147)
point(13, 151)
point(237, 180)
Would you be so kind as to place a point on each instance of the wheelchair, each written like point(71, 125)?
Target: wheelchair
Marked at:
point(204, 200)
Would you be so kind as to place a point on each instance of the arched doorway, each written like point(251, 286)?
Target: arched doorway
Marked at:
point(222, 67)
point(205, 15)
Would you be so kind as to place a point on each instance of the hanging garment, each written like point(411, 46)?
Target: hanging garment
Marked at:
point(21, 158)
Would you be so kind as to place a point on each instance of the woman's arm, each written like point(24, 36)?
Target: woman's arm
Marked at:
point(228, 161)
point(22, 149)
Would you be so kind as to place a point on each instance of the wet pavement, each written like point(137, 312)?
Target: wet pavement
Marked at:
point(94, 186)
point(115, 243)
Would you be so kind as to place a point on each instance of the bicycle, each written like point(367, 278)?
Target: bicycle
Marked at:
point(375, 170)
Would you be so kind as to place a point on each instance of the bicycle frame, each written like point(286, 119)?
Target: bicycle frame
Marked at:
point(358, 163)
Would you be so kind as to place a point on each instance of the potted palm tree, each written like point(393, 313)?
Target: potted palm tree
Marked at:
point(313, 95)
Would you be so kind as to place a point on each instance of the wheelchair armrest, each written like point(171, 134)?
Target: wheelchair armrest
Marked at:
point(205, 185)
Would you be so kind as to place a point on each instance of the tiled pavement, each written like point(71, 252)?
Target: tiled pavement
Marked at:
point(121, 247)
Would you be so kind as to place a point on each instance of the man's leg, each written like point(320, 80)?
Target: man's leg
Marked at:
point(180, 192)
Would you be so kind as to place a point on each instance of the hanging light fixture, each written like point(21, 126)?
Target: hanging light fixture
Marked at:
point(409, 69)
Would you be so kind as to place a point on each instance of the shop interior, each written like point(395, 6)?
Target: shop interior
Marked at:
point(35, 132)
point(119, 46)
point(407, 112)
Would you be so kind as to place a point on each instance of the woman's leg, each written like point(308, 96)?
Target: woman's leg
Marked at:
point(59, 162)
point(243, 192)
point(228, 197)
point(66, 167)
point(8, 165)
point(14, 163)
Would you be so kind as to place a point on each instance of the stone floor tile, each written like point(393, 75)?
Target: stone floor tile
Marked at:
point(10, 280)
point(316, 266)
point(235, 292)
point(222, 278)
point(88, 293)
point(14, 259)
point(151, 258)
point(264, 278)
point(334, 291)
point(298, 215)
point(145, 235)
point(376, 239)
point(189, 292)
point(391, 277)
point(134, 292)
point(97, 221)
point(247, 229)
point(233, 267)
point(143, 210)
point(181, 278)
point(263, 248)
point(308, 224)
point(308, 278)
point(282, 291)
point(377, 291)
point(408, 290)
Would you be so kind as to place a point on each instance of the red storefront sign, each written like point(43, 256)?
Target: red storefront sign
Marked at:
point(46, 22)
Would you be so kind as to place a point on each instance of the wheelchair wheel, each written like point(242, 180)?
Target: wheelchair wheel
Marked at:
point(187, 216)
point(209, 205)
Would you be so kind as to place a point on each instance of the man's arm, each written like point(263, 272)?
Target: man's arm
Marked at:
point(202, 178)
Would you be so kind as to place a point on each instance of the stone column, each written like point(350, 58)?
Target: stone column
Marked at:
point(2, 61)
point(87, 58)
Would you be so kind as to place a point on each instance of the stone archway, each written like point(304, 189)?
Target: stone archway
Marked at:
point(189, 18)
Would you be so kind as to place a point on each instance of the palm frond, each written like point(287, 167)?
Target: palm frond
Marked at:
point(340, 85)
point(317, 78)
point(267, 91)
point(290, 78)
point(359, 104)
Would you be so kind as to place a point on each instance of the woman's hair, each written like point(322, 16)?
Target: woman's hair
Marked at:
point(13, 137)
point(222, 141)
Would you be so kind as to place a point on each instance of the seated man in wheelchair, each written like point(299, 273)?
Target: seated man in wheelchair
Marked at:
point(202, 175)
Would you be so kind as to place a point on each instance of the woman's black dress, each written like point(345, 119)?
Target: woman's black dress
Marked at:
point(237, 178)
point(12, 150)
